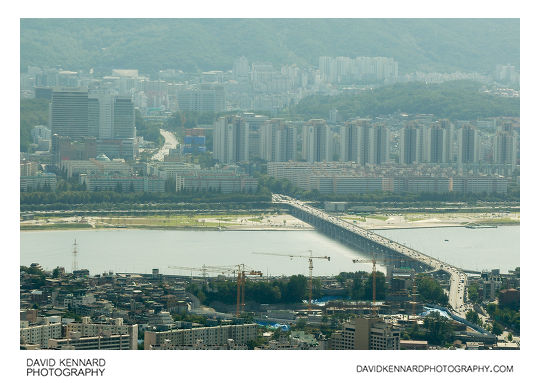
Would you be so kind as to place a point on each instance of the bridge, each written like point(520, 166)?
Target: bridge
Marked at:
point(388, 251)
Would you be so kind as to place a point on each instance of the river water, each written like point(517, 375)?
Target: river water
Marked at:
point(471, 249)
point(129, 250)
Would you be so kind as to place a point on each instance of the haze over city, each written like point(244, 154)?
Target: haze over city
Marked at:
point(269, 184)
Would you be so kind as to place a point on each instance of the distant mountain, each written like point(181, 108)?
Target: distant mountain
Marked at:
point(203, 44)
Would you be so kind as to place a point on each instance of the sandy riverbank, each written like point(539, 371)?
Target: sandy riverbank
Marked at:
point(266, 221)
point(425, 220)
point(172, 222)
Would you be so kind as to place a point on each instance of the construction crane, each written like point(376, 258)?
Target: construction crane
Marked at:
point(238, 270)
point(204, 269)
point(241, 287)
point(374, 281)
point(310, 258)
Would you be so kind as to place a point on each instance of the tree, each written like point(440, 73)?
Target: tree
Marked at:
point(296, 288)
point(430, 290)
point(472, 316)
point(473, 294)
point(439, 328)
point(497, 329)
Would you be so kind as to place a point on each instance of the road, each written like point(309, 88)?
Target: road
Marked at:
point(458, 279)
point(170, 143)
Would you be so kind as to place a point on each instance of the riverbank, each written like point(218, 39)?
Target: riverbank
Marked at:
point(278, 222)
point(432, 220)
point(172, 222)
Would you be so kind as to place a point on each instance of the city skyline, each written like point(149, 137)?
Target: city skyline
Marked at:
point(389, 181)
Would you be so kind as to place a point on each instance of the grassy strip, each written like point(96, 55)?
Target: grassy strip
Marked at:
point(59, 226)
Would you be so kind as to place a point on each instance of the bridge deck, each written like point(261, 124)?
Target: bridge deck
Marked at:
point(348, 232)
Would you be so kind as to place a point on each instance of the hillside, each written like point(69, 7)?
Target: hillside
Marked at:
point(203, 44)
point(456, 100)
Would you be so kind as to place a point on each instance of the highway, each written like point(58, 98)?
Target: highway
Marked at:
point(170, 143)
point(458, 279)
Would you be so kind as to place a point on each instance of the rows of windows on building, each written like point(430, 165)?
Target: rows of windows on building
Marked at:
point(98, 123)
point(439, 153)
point(365, 141)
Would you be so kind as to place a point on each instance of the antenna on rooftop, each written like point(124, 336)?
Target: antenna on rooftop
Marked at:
point(74, 265)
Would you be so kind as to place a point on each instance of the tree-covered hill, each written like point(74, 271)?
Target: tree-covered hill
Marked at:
point(456, 100)
point(202, 44)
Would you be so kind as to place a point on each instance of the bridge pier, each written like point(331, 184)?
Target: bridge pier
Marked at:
point(383, 254)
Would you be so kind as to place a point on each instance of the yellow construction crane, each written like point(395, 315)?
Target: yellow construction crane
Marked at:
point(310, 258)
point(374, 281)
point(374, 273)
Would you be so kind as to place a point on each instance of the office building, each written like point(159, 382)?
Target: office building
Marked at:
point(94, 114)
point(69, 113)
point(366, 333)
point(125, 148)
point(64, 148)
point(123, 118)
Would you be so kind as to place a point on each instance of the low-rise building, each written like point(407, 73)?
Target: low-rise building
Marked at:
point(123, 183)
point(216, 180)
point(210, 336)
point(366, 333)
point(39, 181)
point(105, 342)
point(41, 333)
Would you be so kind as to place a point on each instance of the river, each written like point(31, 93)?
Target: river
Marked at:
point(130, 250)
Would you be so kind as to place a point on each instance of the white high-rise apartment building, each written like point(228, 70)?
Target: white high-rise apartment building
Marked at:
point(505, 146)
point(231, 140)
point(355, 141)
point(316, 143)
point(279, 141)
point(439, 142)
point(411, 145)
point(468, 145)
point(379, 145)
